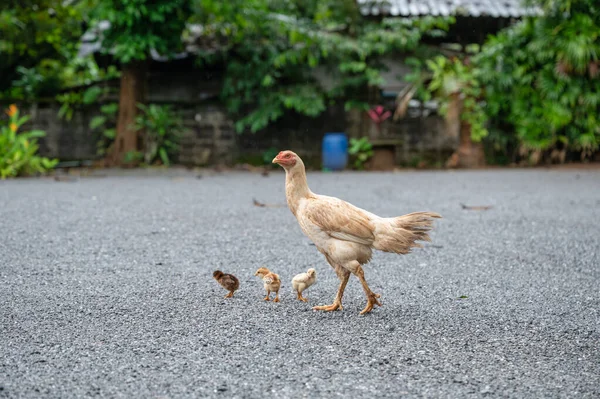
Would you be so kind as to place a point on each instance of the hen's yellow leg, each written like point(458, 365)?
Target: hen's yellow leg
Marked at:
point(371, 297)
point(337, 303)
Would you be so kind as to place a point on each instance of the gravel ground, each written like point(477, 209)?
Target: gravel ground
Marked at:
point(106, 289)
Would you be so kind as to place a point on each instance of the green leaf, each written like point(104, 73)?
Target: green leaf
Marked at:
point(110, 133)
point(49, 163)
point(163, 156)
point(91, 94)
point(97, 121)
point(34, 134)
point(268, 81)
point(109, 109)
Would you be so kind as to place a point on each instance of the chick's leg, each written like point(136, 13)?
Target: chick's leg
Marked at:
point(267, 297)
point(344, 275)
point(371, 297)
point(299, 289)
point(302, 298)
point(276, 296)
point(230, 295)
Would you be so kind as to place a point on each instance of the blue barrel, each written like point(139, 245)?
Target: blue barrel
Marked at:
point(335, 151)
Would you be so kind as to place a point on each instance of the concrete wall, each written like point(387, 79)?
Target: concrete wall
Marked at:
point(421, 136)
point(66, 140)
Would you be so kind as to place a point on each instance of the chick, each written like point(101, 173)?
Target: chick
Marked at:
point(302, 281)
point(227, 281)
point(271, 282)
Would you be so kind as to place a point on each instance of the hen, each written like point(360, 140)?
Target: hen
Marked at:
point(346, 234)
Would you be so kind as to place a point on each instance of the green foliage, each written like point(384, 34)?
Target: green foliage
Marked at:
point(139, 26)
point(161, 129)
point(34, 82)
point(448, 77)
point(18, 150)
point(361, 150)
point(37, 38)
point(275, 48)
point(71, 100)
point(542, 79)
point(105, 123)
point(269, 154)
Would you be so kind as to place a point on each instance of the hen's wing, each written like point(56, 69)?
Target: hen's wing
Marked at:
point(340, 219)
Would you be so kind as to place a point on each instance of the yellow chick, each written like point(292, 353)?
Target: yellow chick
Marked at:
point(302, 281)
point(271, 282)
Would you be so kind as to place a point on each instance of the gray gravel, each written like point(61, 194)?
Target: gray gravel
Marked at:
point(106, 289)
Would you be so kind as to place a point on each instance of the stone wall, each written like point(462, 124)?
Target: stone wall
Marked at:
point(66, 140)
point(210, 137)
point(421, 136)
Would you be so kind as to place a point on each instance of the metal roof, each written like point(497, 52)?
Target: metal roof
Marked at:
point(472, 8)
point(196, 39)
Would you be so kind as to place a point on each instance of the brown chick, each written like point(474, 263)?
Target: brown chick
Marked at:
point(271, 282)
point(227, 281)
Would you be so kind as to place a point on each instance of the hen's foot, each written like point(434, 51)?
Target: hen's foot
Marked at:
point(371, 301)
point(329, 308)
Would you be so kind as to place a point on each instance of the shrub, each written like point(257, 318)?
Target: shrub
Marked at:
point(542, 81)
point(161, 128)
point(18, 150)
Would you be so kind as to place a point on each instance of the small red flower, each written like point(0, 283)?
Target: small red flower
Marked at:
point(378, 115)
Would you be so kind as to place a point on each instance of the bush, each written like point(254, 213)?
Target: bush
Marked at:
point(18, 150)
point(361, 150)
point(161, 129)
point(542, 82)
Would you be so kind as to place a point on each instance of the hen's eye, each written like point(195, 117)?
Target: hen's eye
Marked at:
point(287, 155)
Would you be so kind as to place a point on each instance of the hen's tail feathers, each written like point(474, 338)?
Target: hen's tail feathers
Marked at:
point(400, 234)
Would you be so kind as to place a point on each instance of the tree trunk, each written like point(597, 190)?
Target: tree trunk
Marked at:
point(453, 116)
point(468, 154)
point(132, 92)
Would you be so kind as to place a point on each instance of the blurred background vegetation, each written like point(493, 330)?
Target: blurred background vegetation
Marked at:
point(527, 93)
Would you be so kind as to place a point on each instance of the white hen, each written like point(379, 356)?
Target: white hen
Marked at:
point(346, 234)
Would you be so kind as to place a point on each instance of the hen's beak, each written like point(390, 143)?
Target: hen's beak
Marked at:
point(275, 160)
